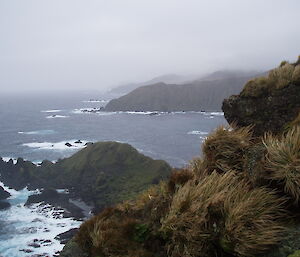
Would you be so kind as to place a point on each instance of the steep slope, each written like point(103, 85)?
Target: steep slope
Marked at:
point(241, 198)
point(195, 96)
point(103, 173)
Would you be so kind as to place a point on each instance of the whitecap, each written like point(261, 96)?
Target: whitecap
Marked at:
point(7, 159)
point(197, 132)
point(38, 132)
point(60, 146)
point(214, 113)
point(57, 116)
point(51, 111)
point(95, 101)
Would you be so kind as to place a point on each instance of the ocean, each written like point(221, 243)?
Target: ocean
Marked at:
point(36, 126)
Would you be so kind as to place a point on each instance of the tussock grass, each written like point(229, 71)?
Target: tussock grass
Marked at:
point(222, 213)
point(179, 178)
point(282, 76)
point(277, 78)
point(283, 161)
point(224, 149)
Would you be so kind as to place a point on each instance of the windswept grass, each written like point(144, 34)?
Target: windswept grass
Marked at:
point(277, 78)
point(283, 162)
point(222, 214)
point(224, 149)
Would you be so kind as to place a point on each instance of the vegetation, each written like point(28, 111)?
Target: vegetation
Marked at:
point(283, 162)
point(224, 149)
point(234, 201)
point(277, 78)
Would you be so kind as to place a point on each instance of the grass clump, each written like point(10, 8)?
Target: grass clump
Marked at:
point(277, 78)
point(283, 162)
point(224, 149)
point(256, 87)
point(282, 76)
point(222, 214)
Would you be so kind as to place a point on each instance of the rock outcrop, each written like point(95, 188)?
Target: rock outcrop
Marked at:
point(266, 113)
point(268, 103)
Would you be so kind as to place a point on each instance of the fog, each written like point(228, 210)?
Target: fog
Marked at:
point(100, 44)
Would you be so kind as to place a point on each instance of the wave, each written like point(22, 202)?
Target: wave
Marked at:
point(32, 229)
point(61, 146)
point(50, 111)
point(197, 132)
point(57, 116)
point(38, 132)
point(100, 111)
point(7, 159)
point(95, 101)
point(214, 113)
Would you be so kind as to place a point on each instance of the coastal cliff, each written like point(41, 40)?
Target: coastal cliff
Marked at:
point(242, 198)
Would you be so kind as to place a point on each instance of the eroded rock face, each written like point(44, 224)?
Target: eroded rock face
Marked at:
point(267, 113)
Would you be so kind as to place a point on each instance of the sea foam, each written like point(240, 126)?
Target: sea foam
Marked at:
point(58, 146)
point(23, 226)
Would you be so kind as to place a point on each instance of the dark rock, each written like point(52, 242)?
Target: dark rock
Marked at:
point(68, 144)
point(26, 250)
point(4, 205)
point(3, 194)
point(78, 142)
point(34, 245)
point(59, 201)
point(72, 249)
point(45, 196)
point(66, 236)
point(267, 113)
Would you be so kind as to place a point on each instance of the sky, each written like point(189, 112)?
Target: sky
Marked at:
point(100, 44)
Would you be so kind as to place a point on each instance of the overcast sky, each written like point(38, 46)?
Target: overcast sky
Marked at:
point(97, 44)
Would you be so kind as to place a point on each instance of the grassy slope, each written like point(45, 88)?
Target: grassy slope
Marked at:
point(106, 172)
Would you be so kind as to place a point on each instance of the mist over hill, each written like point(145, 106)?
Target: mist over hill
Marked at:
point(206, 93)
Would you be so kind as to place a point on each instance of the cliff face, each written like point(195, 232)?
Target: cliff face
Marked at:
point(199, 95)
point(267, 113)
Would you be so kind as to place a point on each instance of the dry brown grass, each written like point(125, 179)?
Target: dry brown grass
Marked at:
point(296, 74)
point(282, 76)
point(224, 149)
point(283, 162)
point(221, 213)
point(179, 178)
point(256, 87)
point(277, 78)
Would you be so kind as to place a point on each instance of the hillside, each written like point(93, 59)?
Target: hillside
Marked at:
point(101, 174)
point(196, 96)
point(241, 199)
point(168, 78)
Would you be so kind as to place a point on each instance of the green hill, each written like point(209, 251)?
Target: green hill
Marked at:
point(103, 173)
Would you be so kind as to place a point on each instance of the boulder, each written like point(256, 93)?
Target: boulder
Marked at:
point(4, 205)
point(3, 194)
point(68, 144)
